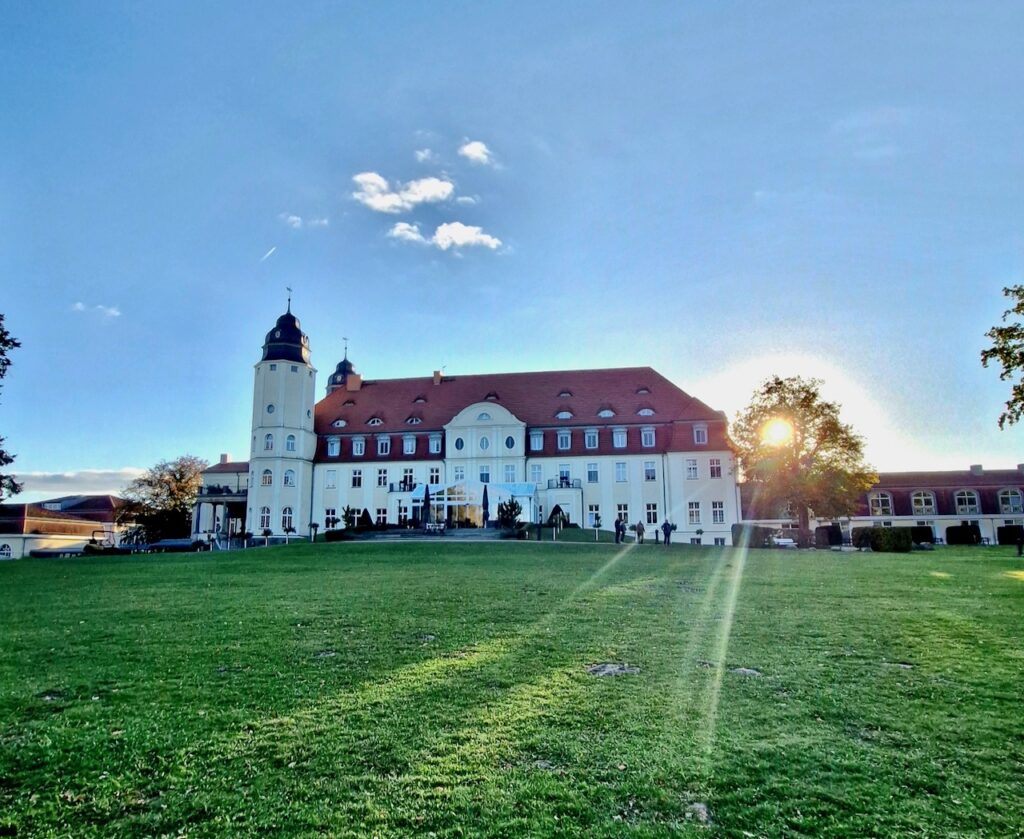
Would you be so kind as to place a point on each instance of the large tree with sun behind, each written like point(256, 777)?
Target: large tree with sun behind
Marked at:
point(796, 451)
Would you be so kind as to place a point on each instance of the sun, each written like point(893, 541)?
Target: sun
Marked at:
point(777, 432)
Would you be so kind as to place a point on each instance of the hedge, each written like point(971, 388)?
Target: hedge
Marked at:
point(751, 536)
point(883, 539)
point(1008, 534)
point(828, 535)
point(963, 534)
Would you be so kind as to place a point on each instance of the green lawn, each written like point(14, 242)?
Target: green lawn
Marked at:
point(362, 689)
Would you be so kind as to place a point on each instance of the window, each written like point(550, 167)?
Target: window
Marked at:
point(622, 512)
point(620, 471)
point(484, 417)
point(413, 421)
point(435, 444)
point(409, 445)
point(536, 441)
point(715, 467)
point(460, 444)
point(330, 513)
point(652, 513)
point(339, 423)
point(590, 438)
point(383, 445)
point(510, 442)
point(295, 368)
point(264, 518)
point(268, 443)
point(485, 444)
point(435, 475)
point(645, 412)
point(593, 514)
point(459, 473)
point(267, 478)
point(273, 367)
point(700, 435)
point(719, 541)
point(564, 476)
point(592, 473)
point(967, 501)
point(382, 477)
point(649, 472)
point(880, 504)
point(407, 478)
point(358, 446)
point(485, 474)
point(289, 477)
point(691, 469)
point(718, 512)
point(606, 413)
point(6, 552)
point(619, 438)
point(565, 394)
point(535, 473)
point(375, 421)
point(331, 479)
point(289, 443)
point(492, 396)
point(333, 447)
point(270, 409)
point(382, 515)
point(510, 473)
point(647, 437)
point(693, 512)
point(923, 503)
point(563, 415)
point(357, 478)
point(1011, 501)
point(286, 519)
point(564, 440)
point(419, 400)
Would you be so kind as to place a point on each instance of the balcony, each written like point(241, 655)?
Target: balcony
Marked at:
point(565, 483)
point(403, 486)
point(222, 493)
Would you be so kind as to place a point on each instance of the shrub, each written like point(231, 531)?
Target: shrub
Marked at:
point(509, 513)
point(337, 535)
point(883, 539)
point(751, 536)
point(365, 520)
point(1008, 534)
point(921, 534)
point(827, 536)
point(963, 534)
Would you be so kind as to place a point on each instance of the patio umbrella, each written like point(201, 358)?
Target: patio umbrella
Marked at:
point(426, 505)
point(486, 506)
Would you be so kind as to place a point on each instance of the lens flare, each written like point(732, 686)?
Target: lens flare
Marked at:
point(777, 432)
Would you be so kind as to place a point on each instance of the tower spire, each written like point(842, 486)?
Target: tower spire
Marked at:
point(343, 338)
point(289, 288)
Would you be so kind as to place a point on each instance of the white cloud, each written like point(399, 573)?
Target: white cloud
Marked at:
point(466, 200)
point(476, 152)
point(319, 222)
point(453, 234)
point(425, 156)
point(873, 134)
point(99, 309)
point(407, 232)
point(294, 222)
point(40, 485)
point(375, 192)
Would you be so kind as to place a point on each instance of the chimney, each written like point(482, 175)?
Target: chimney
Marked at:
point(224, 458)
point(437, 377)
point(976, 469)
point(353, 382)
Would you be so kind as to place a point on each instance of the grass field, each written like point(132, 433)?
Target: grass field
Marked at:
point(441, 689)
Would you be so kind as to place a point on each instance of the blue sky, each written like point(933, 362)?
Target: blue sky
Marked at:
point(720, 190)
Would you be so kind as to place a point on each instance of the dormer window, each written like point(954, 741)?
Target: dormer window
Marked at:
point(483, 417)
point(643, 391)
point(333, 446)
point(565, 394)
point(413, 421)
point(348, 403)
point(339, 423)
point(419, 400)
point(491, 397)
point(374, 421)
point(564, 415)
point(606, 413)
point(700, 435)
point(645, 412)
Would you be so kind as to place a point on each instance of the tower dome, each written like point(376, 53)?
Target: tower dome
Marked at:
point(338, 380)
point(286, 341)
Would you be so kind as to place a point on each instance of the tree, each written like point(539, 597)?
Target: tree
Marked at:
point(1008, 350)
point(160, 500)
point(794, 450)
point(8, 486)
point(509, 513)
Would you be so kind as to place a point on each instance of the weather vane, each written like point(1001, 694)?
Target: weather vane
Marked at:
point(289, 288)
point(345, 339)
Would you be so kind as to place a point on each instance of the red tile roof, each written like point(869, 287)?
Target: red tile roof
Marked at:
point(959, 479)
point(233, 467)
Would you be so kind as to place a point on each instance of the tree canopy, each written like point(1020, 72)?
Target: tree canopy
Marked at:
point(160, 500)
point(796, 451)
point(1007, 351)
point(8, 486)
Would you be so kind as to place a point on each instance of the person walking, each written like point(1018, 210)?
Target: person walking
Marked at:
point(618, 530)
point(666, 528)
point(640, 532)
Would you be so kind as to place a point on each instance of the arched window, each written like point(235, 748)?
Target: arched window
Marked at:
point(289, 477)
point(966, 502)
point(264, 518)
point(286, 518)
point(483, 417)
point(6, 552)
point(563, 415)
point(923, 503)
point(267, 478)
point(880, 504)
point(1011, 501)
point(289, 443)
point(268, 443)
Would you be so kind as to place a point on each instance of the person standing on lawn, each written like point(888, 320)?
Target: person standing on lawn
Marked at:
point(640, 532)
point(666, 528)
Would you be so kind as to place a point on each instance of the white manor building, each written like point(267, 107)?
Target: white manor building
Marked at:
point(592, 444)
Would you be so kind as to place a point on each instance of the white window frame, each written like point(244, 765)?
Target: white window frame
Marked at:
point(619, 438)
point(880, 503)
point(700, 435)
point(434, 476)
point(382, 477)
point(536, 441)
point(927, 506)
point(593, 513)
point(287, 519)
point(564, 439)
point(264, 518)
point(435, 444)
point(333, 446)
point(593, 475)
point(647, 437)
point(331, 479)
point(409, 444)
point(1011, 501)
point(383, 446)
point(621, 472)
point(268, 442)
point(510, 473)
point(536, 473)
point(590, 438)
point(693, 512)
point(650, 471)
point(691, 469)
point(718, 512)
point(267, 478)
point(485, 473)
point(358, 446)
point(289, 443)
point(289, 478)
point(966, 508)
point(651, 513)
point(458, 473)
point(715, 467)
point(357, 479)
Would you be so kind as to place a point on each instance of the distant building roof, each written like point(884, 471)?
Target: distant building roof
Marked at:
point(231, 467)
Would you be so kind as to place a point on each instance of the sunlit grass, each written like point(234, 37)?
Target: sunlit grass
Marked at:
point(403, 689)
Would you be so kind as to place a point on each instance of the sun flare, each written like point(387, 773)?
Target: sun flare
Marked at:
point(777, 432)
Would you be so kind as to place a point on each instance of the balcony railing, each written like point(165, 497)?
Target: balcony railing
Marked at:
point(222, 491)
point(565, 483)
point(403, 486)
